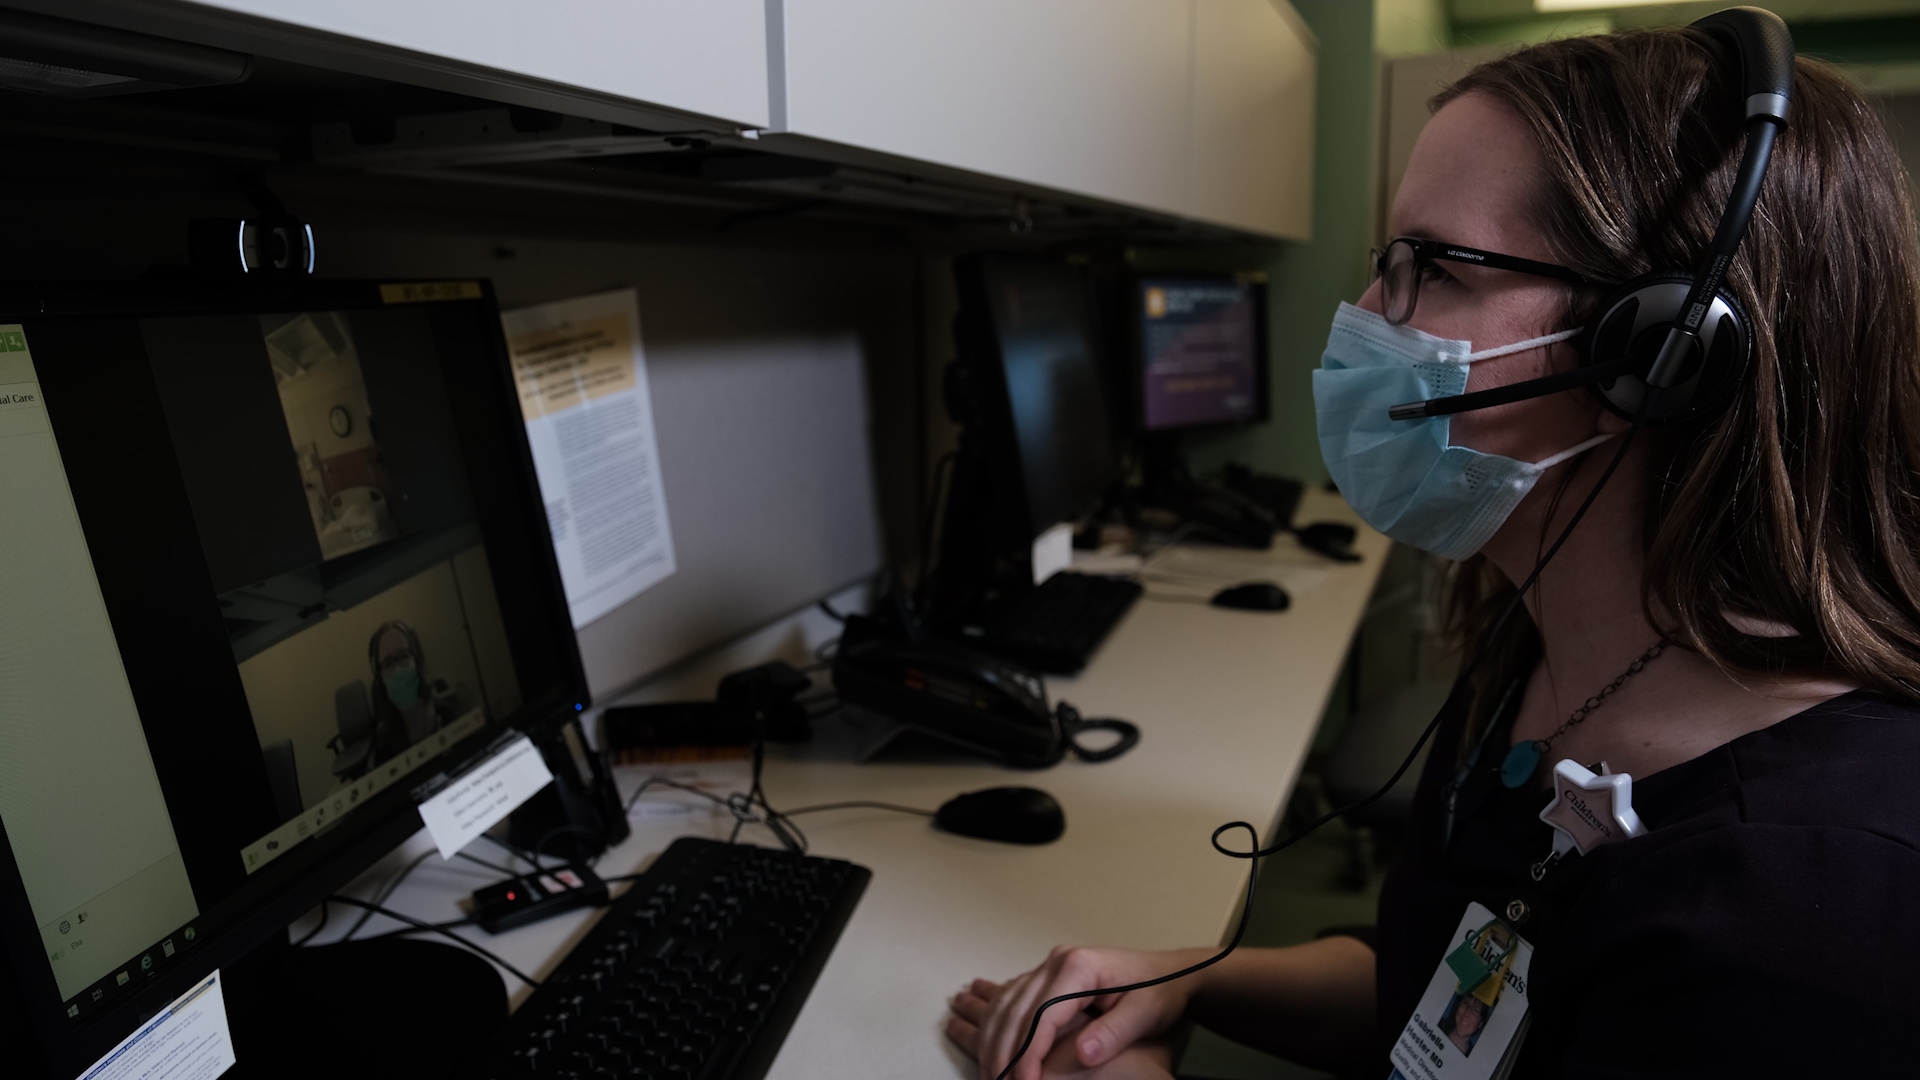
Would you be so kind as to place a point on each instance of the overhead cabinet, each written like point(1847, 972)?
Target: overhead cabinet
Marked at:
point(706, 57)
point(1199, 108)
point(1087, 96)
point(1253, 76)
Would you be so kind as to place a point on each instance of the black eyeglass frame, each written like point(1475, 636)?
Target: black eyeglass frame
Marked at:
point(1426, 251)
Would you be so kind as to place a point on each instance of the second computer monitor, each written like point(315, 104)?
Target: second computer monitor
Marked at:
point(1054, 437)
point(1200, 351)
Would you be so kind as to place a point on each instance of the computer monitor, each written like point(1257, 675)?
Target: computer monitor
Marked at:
point(1026, 324)
point(1200, 351)
point(1037, 438)
point(274, 562)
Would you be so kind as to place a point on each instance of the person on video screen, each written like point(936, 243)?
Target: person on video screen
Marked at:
point(406, 707)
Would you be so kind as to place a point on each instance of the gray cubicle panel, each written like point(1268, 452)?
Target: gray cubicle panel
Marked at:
point(785, 403)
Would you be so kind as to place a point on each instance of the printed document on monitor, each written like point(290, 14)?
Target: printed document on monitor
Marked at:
point(582, 377)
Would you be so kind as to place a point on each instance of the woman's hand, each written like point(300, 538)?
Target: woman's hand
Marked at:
point(1149, 1060)
point(990, 1020)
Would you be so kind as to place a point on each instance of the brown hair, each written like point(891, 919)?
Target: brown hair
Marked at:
point(1800, 503)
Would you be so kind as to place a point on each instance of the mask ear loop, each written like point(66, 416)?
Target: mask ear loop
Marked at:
point(1522, 346)
point(1572, 451)
point(1462, 687)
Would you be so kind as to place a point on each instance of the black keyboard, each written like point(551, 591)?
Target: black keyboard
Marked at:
point(696, 972)
point(1056, 627)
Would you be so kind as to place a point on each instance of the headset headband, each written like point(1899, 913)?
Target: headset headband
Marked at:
point(1761, 48)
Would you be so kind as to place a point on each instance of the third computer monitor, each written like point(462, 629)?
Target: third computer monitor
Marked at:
point(1200, 351)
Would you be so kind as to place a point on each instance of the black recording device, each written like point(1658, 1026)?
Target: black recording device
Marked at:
point(1663, 349)
point(542, 894)
point(757, 703)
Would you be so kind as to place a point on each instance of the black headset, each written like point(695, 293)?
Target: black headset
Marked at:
point(1682, 333)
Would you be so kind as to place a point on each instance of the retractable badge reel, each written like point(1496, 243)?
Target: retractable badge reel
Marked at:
point(1588, 809)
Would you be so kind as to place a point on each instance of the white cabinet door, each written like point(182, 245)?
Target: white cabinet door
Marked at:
point(1085, 96)
point(700, 56)
point(1253, 86)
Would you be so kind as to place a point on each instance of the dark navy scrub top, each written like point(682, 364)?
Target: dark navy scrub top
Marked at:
point(1767, 925)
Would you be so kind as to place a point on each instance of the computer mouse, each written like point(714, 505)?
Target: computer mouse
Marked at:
point(1330, 538)
point(1011, 815)
point(1253, 596)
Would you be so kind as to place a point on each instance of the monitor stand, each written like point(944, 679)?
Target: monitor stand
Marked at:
point(370, 1010)
point(1212, 513)
point(979, 553)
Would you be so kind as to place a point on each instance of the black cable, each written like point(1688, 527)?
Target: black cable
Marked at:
point(442, 931)
point(1257, 853)
point(857, 804)
point(405, 930)
point(311, 934)
point(384, 894)
point(1173, 598)
point(511, 849)
point(741, 805)
point(830, 612)
point(664, 782)
point(553, 834)
point(495, 867)
point(1126, 734)
point(930, 518)
point(824, 654)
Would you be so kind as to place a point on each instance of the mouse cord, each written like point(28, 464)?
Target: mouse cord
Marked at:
point(1202, 599)
point(1256, 852)
point(857, 804)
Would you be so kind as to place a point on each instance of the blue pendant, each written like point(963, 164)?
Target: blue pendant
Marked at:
point(1518, 768)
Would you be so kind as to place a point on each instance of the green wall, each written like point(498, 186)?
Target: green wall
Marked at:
point(1308, 281)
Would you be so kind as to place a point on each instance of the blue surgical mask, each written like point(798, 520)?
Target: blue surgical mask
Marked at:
point(1405, 477)
point(403, 686)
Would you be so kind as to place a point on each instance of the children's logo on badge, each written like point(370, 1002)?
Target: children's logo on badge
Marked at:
point(1588, 809)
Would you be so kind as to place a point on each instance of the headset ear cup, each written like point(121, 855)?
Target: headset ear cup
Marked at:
point(1633, 321)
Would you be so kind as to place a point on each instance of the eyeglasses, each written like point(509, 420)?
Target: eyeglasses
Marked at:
point(1405, 260)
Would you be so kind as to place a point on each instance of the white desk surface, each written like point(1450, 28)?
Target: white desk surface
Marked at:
point(1227, 703)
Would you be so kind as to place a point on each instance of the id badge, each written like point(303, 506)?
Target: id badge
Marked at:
point(1471, 1020)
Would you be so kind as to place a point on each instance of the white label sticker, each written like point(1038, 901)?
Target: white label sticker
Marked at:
point(189, 1040)
point(474, 803)
point(1052, 552)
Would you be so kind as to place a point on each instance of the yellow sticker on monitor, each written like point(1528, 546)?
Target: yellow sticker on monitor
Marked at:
point(423, 292)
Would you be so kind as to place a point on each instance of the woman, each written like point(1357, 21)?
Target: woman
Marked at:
point(1747, 587)
point(405, 706)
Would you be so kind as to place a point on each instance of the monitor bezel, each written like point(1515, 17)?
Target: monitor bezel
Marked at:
point(291, 886)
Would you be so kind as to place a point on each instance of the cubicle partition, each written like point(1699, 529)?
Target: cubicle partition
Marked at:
point(784, 392)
